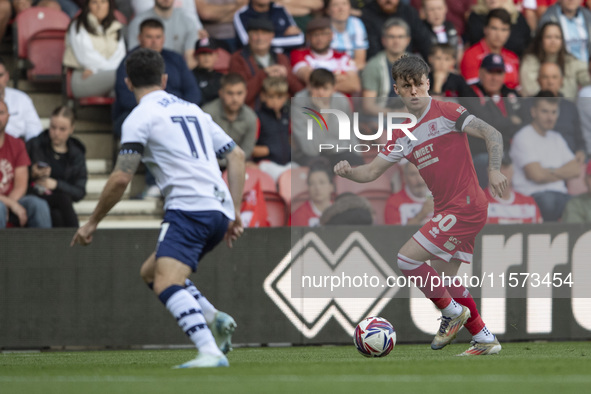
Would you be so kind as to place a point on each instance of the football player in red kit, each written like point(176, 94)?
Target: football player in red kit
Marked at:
point(439, 149)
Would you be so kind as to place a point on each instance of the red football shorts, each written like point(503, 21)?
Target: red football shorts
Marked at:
point(451, 235)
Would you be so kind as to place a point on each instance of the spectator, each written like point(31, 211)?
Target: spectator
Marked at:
point(376, 13)
point(578, 209)
point(321, 94)
point(378, 84)
point(257, 61)
point(23, 121)
point(58, 174)
point(94, 49)
point(234, 117)
point(348, 32)
point(182, 31)
point(348, 209)
point(5, 16)
point(583, 105)
point(412, 204)
point(218, 19)
point(273, 150)
point(444, 82)
point(207, 78)
point(496, 33)
point(68, 6)
point(15, 207)
point(568, 124)
point(549, 46)
point(543, 160)
point(187, 6)
point(320, 55)
point(519, 37)
point(576, 25)
point(457, 10)
point(302, 10)
point(441, 30)
point(287, 34)
point(498, 106)
point(181, 81)
point(511, 207)
point(320, 189)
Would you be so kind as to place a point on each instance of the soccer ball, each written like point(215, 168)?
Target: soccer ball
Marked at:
point(374, 337)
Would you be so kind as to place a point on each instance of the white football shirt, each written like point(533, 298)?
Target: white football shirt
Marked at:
point(181, 145)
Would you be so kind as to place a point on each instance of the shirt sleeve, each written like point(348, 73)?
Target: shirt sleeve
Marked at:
point(22, 157)
point(136, 127)
point(456, 113)
point(360, 34)
point(222, 143)
point(521, 152)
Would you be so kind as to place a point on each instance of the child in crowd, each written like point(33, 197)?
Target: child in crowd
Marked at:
point(207, 78)
point(273, 150)
point(444, 81)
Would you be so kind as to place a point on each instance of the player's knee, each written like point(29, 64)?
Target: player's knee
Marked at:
point(408, 264)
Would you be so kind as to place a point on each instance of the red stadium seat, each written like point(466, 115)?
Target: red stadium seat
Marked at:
point(222, 63)
point(293, 183)
point(39, 42)
point(276, 209)
point(377, 192)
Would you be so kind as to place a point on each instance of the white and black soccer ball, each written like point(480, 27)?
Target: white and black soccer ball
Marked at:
point(374, 337)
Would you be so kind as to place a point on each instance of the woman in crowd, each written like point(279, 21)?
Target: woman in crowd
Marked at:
point(520, 31)
point(549, 46)
point(349, 34)
point(58, 171)
point(320, 189)
point(94, 49)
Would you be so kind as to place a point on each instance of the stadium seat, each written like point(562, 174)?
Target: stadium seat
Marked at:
point(293, 184)
point(253, 174)
point(276, 209)
point(39, 42)
point(377, 192)
point(222, 63)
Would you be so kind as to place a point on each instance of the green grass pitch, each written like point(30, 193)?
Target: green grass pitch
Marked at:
point(553, 367)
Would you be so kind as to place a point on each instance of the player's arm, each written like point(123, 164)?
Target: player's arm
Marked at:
point(236, 174)
point(365, 173)
point(494, 145)
point(127, 164)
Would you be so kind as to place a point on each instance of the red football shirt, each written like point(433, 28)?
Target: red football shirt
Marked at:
point(13, 154)
point(473, 57)
point(306, 215)
point(333, 61)
point(403, 206)
point(442, 155)
point(517, 209)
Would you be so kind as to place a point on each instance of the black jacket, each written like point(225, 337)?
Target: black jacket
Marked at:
point(74, 182)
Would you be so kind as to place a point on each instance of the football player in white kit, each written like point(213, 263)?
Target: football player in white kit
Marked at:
point(179, 143)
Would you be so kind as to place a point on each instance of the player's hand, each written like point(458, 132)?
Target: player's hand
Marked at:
point(343, 169)
point(497, 183)
point(84, 235)
point(235, 230)
point(20, 212)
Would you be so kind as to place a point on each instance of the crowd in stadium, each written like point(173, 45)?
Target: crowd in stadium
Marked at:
point(241, 61)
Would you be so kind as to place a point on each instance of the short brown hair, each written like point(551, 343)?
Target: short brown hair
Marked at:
point(321, 77)
point(275, 85)
point(231, 79)
point(445, 48)
point(410, 68)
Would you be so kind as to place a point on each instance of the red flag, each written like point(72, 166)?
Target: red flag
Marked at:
point(254, 208)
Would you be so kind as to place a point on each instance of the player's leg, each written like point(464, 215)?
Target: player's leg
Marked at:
point(220, 323)
point(169, 284)
point(411, 261)
point(483, 341)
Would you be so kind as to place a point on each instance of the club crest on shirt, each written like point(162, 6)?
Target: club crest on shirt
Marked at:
point(433, 129)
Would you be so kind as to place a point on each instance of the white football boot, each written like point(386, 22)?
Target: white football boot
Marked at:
point(206, 361)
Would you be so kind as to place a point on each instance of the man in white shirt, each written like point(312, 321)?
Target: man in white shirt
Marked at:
point(23, 121)
point(182, 28)
point(179, 144)
point(543, 160)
